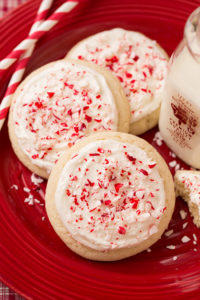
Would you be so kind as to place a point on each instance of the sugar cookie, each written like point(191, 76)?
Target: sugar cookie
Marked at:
point(140, 65)
point(110, 196)
point(187, 184)
point(60, 103)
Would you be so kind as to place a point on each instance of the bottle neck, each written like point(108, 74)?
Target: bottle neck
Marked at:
point(192, 34)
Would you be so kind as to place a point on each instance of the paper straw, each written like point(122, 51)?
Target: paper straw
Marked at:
point(26, 48)
point(20, 69)
point(35, 36)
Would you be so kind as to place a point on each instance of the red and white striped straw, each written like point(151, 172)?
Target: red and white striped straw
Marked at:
point(41, 14)
point(25, 48)
point(36, 35)
point(21, 66)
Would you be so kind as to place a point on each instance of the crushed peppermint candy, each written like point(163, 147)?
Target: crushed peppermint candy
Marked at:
point(169, 232)
point(171, 247)
point(65, 102)
point(174, 164)
point(185, 225)
point(37, 201)
point(158, 138)
point(183, 214)
point(36, 179)
point(29, 200)
point(27, 190)
point(175, 258)
point(172, 154)
point(185, 239)
point(111, 192)
point(134, 59)
point(178, 167)
point(15, 187)
point(195, 239)
point(194, 236)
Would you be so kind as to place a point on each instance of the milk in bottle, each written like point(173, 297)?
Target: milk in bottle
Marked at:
point(179, 121)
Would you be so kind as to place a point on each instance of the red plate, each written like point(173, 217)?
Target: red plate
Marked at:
point(33, 260)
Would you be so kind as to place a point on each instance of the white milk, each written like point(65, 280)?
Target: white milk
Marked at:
point(179, 121)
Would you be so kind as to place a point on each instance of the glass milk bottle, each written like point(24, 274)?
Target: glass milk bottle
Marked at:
point(179, 121)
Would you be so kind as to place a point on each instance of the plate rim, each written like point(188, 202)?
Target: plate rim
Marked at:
point(7, 17)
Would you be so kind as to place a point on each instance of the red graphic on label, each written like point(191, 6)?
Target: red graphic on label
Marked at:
point(184, 122)
point(180, 113)
point(184, 117)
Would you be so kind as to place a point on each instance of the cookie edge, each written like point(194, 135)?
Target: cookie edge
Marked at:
point(114, 86)
point(117, 254)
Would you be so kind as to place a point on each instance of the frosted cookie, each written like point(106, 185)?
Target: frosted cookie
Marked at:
point(60, 103)
point(187, 185)
point(140, 65)
point(110, 196)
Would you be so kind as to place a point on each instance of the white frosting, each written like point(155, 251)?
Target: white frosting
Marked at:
point(191, 182)
point(135, 60)
point(110, 195)
point(59, 105)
